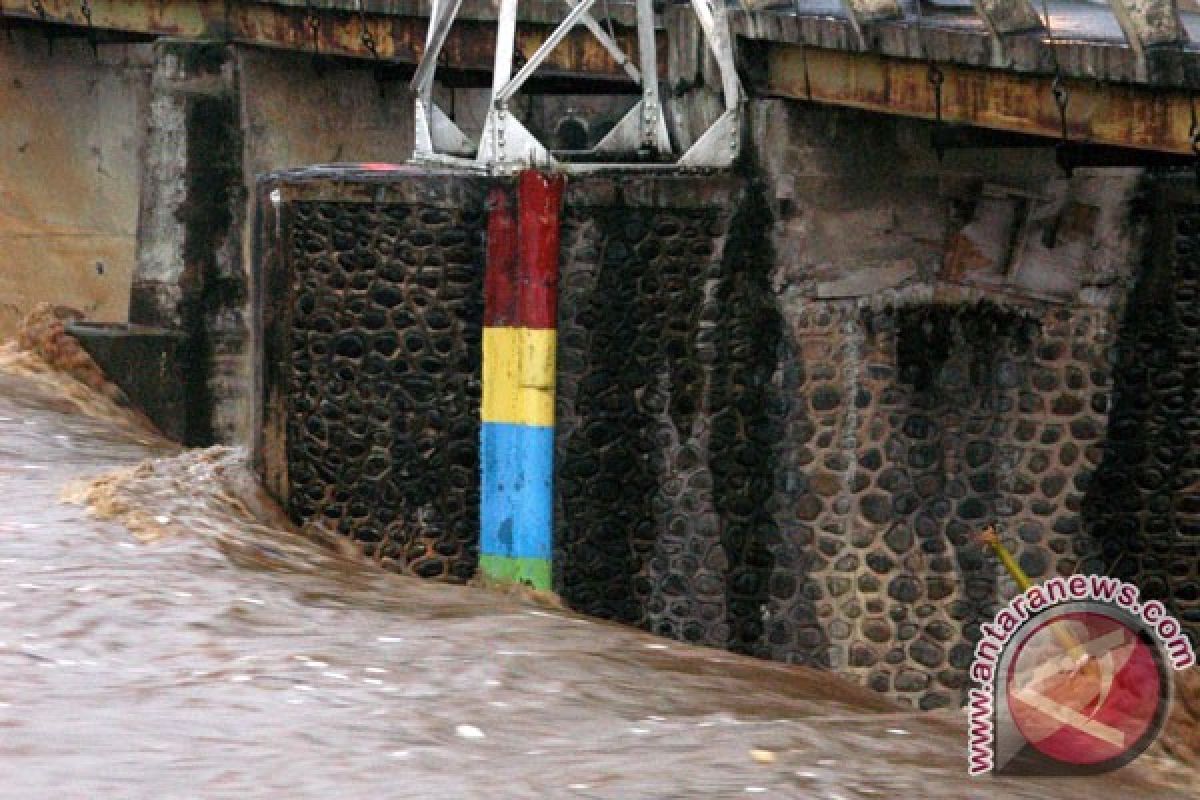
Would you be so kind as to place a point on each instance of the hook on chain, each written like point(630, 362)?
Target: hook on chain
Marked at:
point(1062, 98)
point(937, 79)
point(40, 8)
point(312, 20)
point(85, 8)
point(366, 37)
point(372, 47)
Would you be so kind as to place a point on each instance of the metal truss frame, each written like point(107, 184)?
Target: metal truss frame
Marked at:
point(506, 145)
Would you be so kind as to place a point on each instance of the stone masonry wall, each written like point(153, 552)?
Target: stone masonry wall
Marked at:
point(780, 425)
point(1141, 512)
point(948, 346)
point(662, 436)
point(908, 429)
point(786, 400)
point(372, 307)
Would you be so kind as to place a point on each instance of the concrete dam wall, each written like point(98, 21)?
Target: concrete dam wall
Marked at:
point(791, 474)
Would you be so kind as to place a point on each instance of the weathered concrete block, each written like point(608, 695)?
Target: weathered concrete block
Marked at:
point(144, 362)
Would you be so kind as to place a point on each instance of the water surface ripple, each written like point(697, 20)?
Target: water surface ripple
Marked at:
point(204, 653)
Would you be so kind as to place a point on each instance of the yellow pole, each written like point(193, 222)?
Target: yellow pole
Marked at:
point(989, 537)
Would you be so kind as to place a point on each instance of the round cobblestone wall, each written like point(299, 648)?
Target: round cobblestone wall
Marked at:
point(382, 399)
point(1143, 508)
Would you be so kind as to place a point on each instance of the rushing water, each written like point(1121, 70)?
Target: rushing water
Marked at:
point(191, 646)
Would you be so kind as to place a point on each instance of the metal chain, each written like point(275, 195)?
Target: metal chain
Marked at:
point(85, 8)
point(807, 78)
point(1061, 99)
point(936, 79)
point(1058, 88)
point(368, 40)
point(312, 20)
point(40, 8)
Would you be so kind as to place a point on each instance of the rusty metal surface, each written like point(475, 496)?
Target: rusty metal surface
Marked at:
point(547, 11)
point(187, 18)
point(1128, 116)
point(402, 39)
point(397, 33)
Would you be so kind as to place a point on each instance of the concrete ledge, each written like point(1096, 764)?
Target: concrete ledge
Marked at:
point(144, 363)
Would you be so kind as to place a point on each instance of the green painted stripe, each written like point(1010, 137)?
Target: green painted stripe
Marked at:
point(533, 572)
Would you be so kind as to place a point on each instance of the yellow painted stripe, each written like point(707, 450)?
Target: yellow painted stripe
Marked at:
point(518, 376)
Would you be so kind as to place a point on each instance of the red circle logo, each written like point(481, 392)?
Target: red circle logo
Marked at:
point(1084, 688)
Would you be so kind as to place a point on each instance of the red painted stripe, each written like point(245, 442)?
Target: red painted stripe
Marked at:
point(500, 271)
point(539, 201)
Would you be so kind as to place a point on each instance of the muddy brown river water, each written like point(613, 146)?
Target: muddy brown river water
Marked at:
point(203, 653)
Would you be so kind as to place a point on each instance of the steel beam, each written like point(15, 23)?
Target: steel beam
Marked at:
point(399, 38)
point(187, 18)
point(653, 122)
point(505, 34)
point(609, 44)
point(1124, 115)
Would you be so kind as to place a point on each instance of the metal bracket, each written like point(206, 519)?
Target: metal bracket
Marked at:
point(719, 145)
point(505, 141)
point(437, 132)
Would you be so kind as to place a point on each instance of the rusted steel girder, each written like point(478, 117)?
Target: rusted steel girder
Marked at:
point(1122, 115)
point(332, 32)
point(189, 18)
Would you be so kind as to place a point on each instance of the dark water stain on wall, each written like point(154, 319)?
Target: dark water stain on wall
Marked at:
point(609, 465)
point(667, 347)
point(745, 354)
point(1143, 507)
point(637, 531)
point(214, 179)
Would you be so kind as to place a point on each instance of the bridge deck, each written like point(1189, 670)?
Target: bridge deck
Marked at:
point(810, 50)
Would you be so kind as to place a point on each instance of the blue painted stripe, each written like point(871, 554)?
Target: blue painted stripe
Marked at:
point(518, 474)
